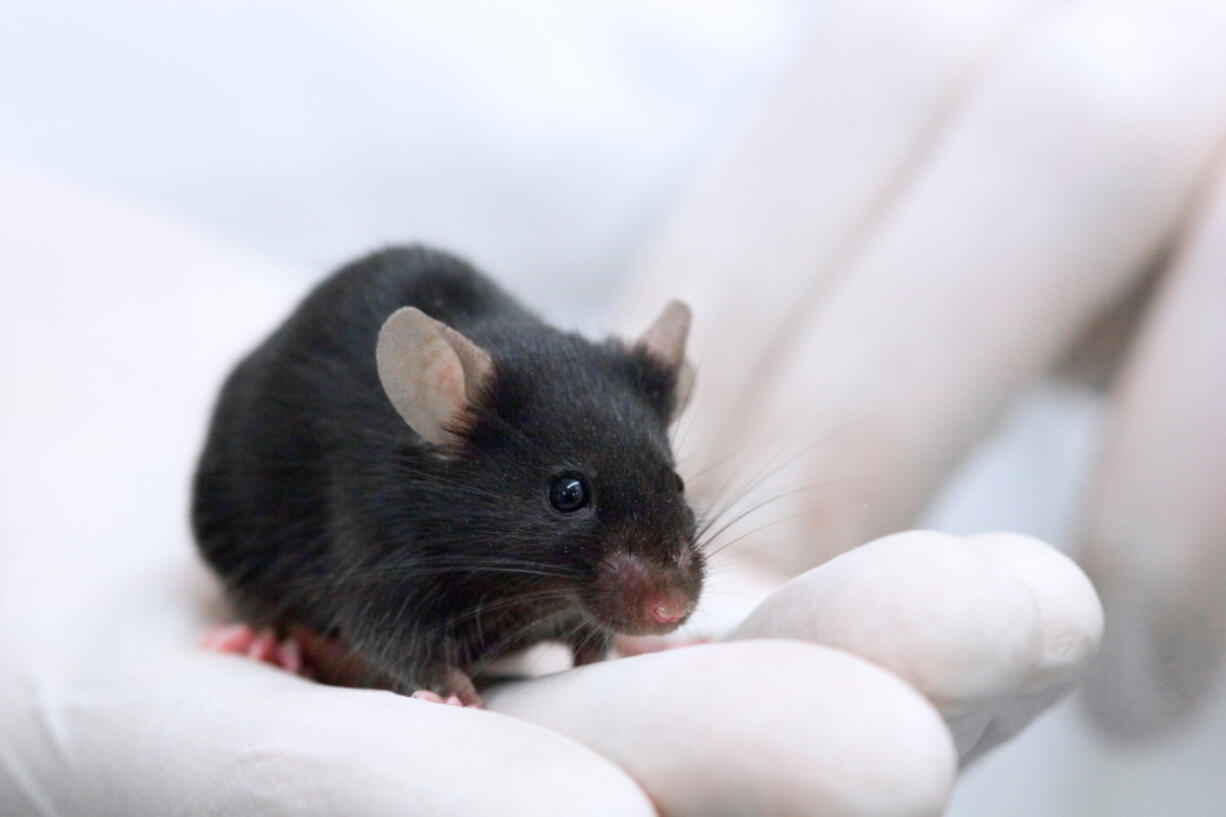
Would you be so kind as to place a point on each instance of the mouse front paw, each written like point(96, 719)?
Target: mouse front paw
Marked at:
point(262, 645)
point(458, 690)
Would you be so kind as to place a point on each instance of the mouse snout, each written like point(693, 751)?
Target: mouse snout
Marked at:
point(635, 595)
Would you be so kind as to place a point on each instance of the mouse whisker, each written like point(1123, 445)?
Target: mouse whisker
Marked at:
point(499, 605)
point(767, 471)
point(414, 569)
point(446, 636)
point(764, 503)
point(749, 533)
point(507, 643)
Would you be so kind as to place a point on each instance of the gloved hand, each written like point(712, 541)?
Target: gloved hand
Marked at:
point(112, 344)
point(932, 207)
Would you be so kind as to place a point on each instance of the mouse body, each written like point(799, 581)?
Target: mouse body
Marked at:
point(417, 468)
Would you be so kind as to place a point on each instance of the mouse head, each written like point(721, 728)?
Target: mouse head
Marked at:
point(562, 447)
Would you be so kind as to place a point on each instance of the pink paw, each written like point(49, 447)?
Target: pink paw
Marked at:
point(461, 692)
point(434, 698)
point(262, 646)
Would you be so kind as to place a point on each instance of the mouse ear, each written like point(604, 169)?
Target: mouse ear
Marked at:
point(430, 372)
point(664, 340)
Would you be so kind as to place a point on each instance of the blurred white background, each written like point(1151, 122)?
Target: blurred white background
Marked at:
point(544, 140)
point(540, 139)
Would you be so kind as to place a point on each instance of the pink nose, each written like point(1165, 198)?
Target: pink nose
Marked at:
point(667, 611)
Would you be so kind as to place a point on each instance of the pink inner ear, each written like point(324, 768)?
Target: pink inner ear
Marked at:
point(423, 370)
point(443, 375)
point(476, 363)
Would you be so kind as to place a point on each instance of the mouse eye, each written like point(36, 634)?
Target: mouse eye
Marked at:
point(567, 493)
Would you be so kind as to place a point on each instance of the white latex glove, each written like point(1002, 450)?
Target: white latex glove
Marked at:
point(992, 629)
point(935, 204)
point(115, 329)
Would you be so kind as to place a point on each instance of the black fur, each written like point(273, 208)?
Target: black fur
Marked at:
point(319, 507)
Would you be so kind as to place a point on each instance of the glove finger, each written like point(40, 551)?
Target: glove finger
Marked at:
point(752, 727)
point(757, 238)
point(1155, 531)
point(197, 733)
point(1033, 214)
point(991, 629)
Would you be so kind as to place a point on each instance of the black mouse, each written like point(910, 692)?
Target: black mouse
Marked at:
point(418, 469)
